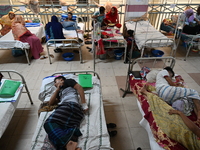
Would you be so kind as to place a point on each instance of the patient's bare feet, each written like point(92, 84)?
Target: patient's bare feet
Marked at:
point(71, 145)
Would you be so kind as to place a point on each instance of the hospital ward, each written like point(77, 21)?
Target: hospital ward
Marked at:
point(99, 75)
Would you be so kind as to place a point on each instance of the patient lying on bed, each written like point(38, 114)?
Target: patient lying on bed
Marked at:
point(63, 124)
point(170, 92)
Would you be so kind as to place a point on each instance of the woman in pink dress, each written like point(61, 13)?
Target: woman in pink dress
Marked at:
point(21, 33)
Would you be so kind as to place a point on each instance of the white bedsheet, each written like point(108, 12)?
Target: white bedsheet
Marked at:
point(144, 123)
point(7, 109)
point(8, 42)
point(73, 34)
point(145, 31)
point(93, 127)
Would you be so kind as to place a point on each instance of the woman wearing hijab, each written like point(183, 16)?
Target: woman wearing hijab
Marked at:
point(190, 24)
point(54, 29)
point(6, 22)
point(21, 33)
point(112, 17)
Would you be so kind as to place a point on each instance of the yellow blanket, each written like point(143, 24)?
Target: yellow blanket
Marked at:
point(172, 125)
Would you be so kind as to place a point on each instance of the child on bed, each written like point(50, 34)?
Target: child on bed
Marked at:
point(62, 126)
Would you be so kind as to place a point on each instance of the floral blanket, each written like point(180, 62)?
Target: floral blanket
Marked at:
point(169, 131)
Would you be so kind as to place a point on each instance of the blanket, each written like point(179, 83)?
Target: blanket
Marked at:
point(164, 126)
point(172, 124)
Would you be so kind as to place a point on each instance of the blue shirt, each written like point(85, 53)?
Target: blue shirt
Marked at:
point(100, 18)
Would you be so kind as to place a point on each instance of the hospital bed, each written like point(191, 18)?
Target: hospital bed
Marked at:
point(7, 41)
point(74, 40)
point(146, 36)
point(93, 127)
point(156, 124)
point(114, 40)
point(8, 106)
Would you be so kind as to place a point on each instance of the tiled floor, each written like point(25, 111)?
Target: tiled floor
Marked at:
point(122, 111)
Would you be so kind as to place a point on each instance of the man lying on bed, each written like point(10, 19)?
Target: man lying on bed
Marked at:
point(170, 92)
point(63, 124)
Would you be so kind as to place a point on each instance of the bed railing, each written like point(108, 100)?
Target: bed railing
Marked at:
point(167, 61)
point(151, 43)
point(14, 75)
point(65, 44)
point(77, 72)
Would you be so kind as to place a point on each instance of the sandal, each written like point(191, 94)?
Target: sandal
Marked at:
point(58, 50)
point(88, 42)
point(76, 51)
point(52, 56)
point(112, 133)
point(43, 57)
point(111, 125)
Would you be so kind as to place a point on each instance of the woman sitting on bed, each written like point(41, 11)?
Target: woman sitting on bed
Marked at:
point(69, 23)
point(6, 23)
point(170, 92)
point(112, 17)
point(62, 126)
point(191, 26)
point(21, 33)
point(54, 29)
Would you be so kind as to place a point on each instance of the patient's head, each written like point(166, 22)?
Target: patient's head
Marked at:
point(170, 70)
point(59, 81)
point(70, 16)
point(102, 10)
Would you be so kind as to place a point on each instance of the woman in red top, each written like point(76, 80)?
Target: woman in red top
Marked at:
point(112, 17)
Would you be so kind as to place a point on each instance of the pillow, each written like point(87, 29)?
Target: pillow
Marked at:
point(64, 16)
point(151, 76)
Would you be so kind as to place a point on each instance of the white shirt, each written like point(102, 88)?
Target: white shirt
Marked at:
point(69, 94)
point(160, 80)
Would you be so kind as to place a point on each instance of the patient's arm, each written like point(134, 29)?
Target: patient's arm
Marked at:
point(169, 80)
point(187, 122)
point(54, 98)
point(80, 90)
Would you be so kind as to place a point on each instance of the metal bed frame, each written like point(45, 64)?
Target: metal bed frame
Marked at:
point(66, 43)
point(96, 35)
point(8, 108)
point(141, 60)
point(22, 79)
